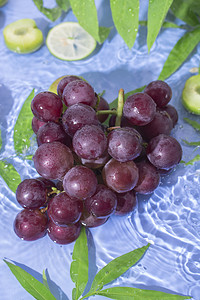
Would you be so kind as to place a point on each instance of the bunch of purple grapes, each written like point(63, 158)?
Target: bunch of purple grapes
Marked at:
point(88, 171)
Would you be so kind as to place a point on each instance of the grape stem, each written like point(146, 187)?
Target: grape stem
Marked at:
point(120, 106)
point(106, 112)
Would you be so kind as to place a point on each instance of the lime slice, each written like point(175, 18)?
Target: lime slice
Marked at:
point(191, 95)
point(69, 41)
point(23, 36)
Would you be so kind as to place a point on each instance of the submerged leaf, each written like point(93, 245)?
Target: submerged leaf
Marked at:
point(194, 124)
point(125, 14)
point(63, 4)
point(44, 277)
point(79, 265)
point(0, 140)
point(51, 13)
point(192, 143)
point(156, 15)
point(192, 161)
point(116, 268)
point(10, 175)
point(180, 52)
point(103, 33)
point(30, 284)
point(185, 11)
point(128, 293)
point(23, 129)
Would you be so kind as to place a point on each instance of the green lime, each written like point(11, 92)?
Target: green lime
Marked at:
point(191, 95)
point(69, 41)
point(23, 36)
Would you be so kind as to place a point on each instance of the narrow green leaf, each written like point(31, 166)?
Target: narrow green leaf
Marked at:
point(185, 11)
point(0, 140)
point(30, 284)
point(63, 4)
point(79, 265)
point(103, 33)
point(156, 15)
point(51, 13)
point(125, 14)
point(23, 129)
point(44, 278)
point(165, 25)
point(192, 143)
point(86, 14)
point(9, 175)
point(116, 268)
point(194, 124)
point(180, 52)
point(192, 161)
point(128, 293)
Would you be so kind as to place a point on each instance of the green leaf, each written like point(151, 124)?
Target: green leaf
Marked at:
point(192, 143)
point(86, 14)
point(185, 11)
point(23, 129)
point(103, 33)
point(51, 13)
point(180, 52)
point(10, 175)
point(79, 265)
point(125, 14)
point(63, 4)
point(44, 278)
point(116, 268)
point(128, 293)
point(165, 25)
point(192, 161)
point(30, 284)
point(194, 124)
point(156, 15)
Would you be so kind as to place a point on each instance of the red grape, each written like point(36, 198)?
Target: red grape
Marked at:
point(159, 91)
point(36, 124)
point(64, 82)
point(30, 225)
point(126, 202)
point(53, 160)
point(64, 234)
point(47, 106)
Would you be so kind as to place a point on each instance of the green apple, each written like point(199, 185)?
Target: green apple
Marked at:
point(23, 36)
point(191, 95)
point(3, 2)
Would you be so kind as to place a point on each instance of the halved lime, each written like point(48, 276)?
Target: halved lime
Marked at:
point(23, 36)
point(191, 95)
point(69, 41)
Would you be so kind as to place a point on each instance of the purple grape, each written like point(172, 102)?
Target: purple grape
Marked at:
point(139, 109)
point(161, 124)
point(164, 152)
point(47, 106)
point(149, 178)
point(64, 234)
point(96, 163)
point(30, 225)
point(103, 105)
point(64, 82)
point(53, 160)
point(172, 112)
point(79, 91)
point(63, 210)
point(80, 182)
point(126, 202)
point(36, 124)
point(31, 193)
point(89, 142)
point(90, 221)
point(103, 203)
point(159, 91)
point(78, 115)
point(53, 132)
point(124, 144)
point(120, 176)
